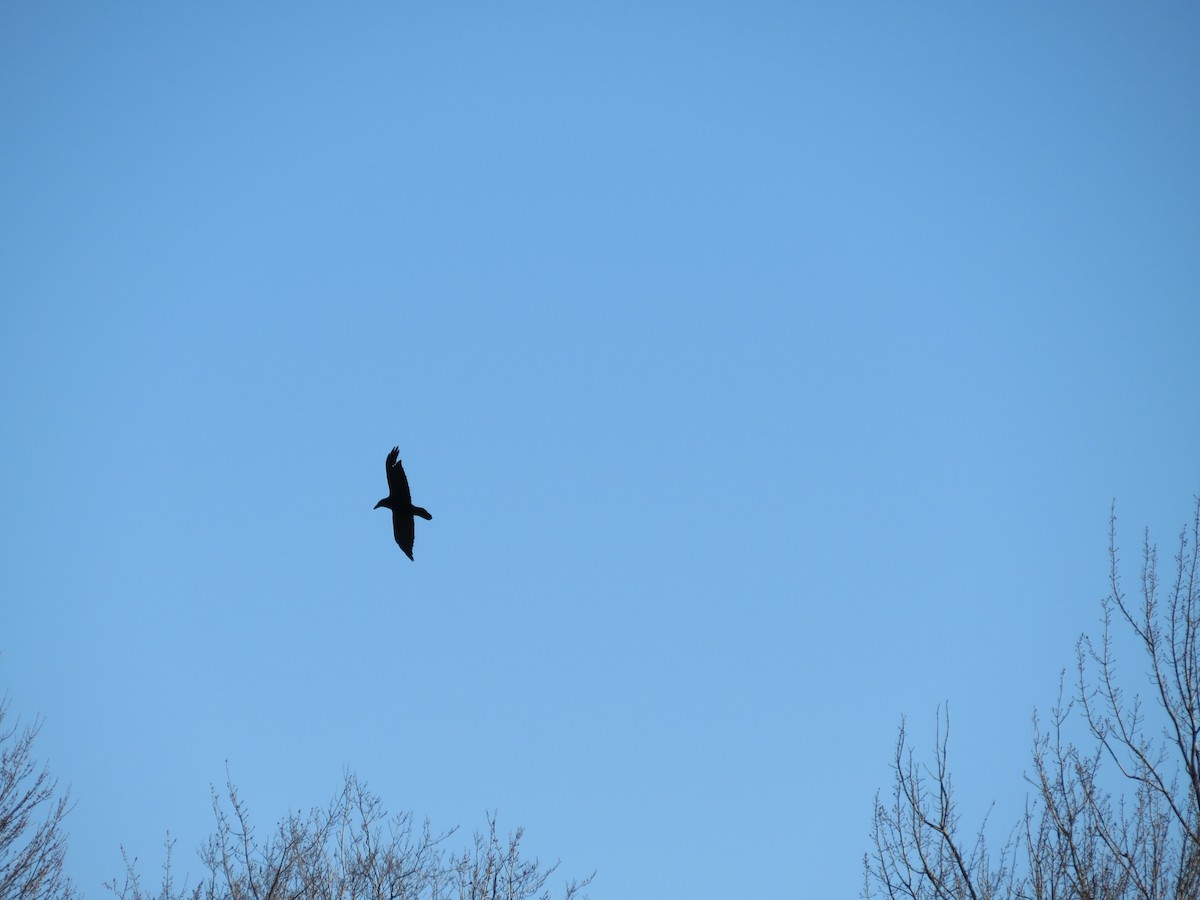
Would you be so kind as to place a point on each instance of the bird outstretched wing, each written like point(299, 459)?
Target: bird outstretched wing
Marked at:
point(398, 483)
point(404, 529)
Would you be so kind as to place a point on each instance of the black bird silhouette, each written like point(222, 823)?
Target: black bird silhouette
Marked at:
point(399, 501)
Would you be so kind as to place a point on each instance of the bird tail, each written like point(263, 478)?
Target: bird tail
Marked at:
point(423, 513)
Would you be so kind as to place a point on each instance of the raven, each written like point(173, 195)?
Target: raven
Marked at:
point(399, 501)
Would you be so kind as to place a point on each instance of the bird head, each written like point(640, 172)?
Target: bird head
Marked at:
point(383, 502)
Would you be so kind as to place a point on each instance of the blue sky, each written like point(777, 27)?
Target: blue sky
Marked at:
point(769, 370)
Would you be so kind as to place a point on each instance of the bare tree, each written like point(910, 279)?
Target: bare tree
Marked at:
point(350, 850)
point(1116, 818)
point(920, 851)
point(32, 840)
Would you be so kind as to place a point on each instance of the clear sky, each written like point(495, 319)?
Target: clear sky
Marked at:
point(768, 368)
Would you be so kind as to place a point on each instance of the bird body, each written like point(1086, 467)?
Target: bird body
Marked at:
point(399, 501)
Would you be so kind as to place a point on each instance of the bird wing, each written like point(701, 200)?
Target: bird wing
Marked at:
point(396, 479)
point(402, 527)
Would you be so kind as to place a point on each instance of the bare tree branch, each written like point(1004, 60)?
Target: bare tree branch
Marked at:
point(1081, 838)
point(352, 850)
point(32, 841)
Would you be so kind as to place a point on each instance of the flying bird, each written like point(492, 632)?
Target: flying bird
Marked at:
point(399, 501)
